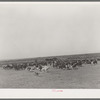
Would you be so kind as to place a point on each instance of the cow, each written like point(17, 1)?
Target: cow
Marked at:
point(31, 68)
point(40, 67)
point(94, 62)
point(69, 67)
point(45, 68)
point(8, 66)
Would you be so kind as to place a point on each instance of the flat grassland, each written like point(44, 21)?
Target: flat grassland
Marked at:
point(86, 77)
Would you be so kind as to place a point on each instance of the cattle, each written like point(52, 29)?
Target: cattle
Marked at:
point(31, 68)
point(49, 61)
point(88, 61)
point(5, 66)
point(45, 68)
point(94, 61)
point(15, 66)
point(44, 65)
point(75, 65)
point(8, 66)
point(79, 63)
point(40, 67)
point(69, 67)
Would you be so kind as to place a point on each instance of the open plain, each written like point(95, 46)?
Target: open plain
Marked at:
point(85, 77)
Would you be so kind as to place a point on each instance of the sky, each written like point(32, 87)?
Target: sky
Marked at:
point(38, 29)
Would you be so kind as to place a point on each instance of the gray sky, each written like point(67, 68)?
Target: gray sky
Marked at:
point(47, 29)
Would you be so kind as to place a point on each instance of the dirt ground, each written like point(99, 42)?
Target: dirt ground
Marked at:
point(86, 77)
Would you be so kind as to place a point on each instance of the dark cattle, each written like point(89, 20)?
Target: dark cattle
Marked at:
point(8, 66)
point(31, 68)
point(49, 61)
point(40, 67)
point(75, 65)
point(94, 61)
point(88, 61)
point(79, 63)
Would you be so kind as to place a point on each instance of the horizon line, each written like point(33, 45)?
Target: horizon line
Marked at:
point(48, 56)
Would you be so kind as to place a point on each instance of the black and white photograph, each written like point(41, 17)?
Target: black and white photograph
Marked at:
point(50, 45)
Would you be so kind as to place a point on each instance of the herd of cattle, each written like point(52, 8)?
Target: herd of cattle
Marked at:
point(48, 63)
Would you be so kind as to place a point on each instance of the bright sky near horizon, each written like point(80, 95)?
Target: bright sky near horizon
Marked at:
point(39, 29)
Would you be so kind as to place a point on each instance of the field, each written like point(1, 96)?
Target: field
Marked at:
point(86, 77)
